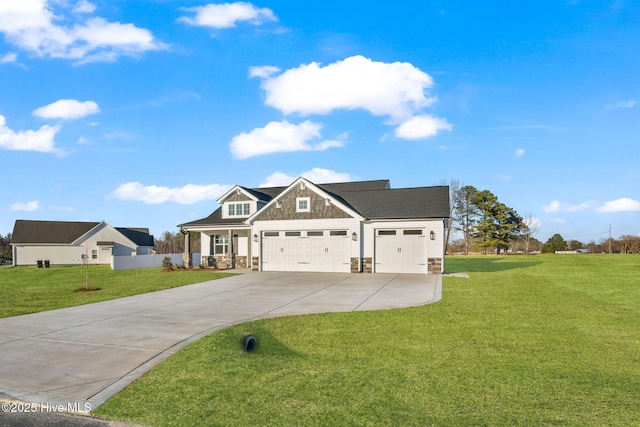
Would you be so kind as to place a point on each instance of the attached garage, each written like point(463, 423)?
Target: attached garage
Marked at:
point(400, 251)
point(306, 250)
point(351, 227)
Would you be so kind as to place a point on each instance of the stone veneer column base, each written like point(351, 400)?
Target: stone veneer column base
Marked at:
point(355, 265)
point(367, 265)
point(434, 266)
point(226, 261)
point(241, 261)
point(255, 263)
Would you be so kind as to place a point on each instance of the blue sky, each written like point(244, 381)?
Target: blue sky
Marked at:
point(142, 113)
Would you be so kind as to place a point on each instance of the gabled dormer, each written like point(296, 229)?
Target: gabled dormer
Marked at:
point(239, 203)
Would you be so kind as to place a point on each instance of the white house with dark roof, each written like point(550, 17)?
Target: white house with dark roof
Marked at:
point(352, 227)
point(65, 243)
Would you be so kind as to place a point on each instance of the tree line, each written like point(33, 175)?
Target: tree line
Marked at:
point(486, 224)
point(626, 244)
point(5, 248)
point(173, 243)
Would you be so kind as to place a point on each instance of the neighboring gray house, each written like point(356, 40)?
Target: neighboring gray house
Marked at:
point(61, 242)
point(341, 227)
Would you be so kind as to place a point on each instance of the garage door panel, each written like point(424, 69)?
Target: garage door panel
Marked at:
point(400, 251)
point(311, 251)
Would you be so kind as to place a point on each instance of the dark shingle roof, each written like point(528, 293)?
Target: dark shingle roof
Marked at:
point(339, 187)
point(139, 236)
point(400, 203)
point(66, 232)
point(266, 193)
point(372, 199)
point(59, 232)
point(214, 219)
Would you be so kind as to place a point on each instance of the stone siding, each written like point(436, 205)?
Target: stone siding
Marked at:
point(225, 261)
point(205, 262)
point(255, 263)
point(318, 207)
point(434, 266)
point(367, 265)
point(355, 265)
point(241, 261)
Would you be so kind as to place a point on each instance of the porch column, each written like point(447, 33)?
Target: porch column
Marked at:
point(230, 255)
point(186, 256)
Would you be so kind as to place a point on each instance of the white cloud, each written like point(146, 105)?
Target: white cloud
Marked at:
point(67, 109)
point(554, 206)
point(263, 72)
point(421, 127)
point(279, 137)
point(520, 152)
point(42, 140)
point(33, 26)
point(9, 58)
point(83, 6)
point(504, 177)
point(153, 194)
point(383, 89)
point(227, 15)
point(621, 104)
point(620, 205)
point(557, 206)
point(315, 175)
point(26, 207)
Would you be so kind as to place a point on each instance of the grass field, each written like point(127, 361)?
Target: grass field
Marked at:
point(26, 290)
point(527, 340)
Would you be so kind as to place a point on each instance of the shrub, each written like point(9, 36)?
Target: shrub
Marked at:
point(167, 265)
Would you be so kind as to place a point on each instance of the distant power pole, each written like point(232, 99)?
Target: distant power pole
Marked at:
point(609, 238)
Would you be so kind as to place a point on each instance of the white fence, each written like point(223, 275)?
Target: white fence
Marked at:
point(148, 261)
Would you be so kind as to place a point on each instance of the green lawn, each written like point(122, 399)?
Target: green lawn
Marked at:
point(526, 340)
point(30, 289)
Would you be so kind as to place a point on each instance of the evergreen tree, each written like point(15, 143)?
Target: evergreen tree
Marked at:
point(555, 243)
point(465, 213)
point(498, 225)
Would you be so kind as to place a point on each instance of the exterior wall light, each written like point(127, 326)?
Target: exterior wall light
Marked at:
point(354, 236)
point(255, 237)
point(432, 235)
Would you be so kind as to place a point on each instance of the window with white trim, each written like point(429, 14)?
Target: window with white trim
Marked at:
point(303, 204)
point(221, 244)
point(239, 209)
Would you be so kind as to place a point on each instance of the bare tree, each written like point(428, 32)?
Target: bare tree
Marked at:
point(173, 243)
point(454, 194)
point(630, 244)
point(531, 228)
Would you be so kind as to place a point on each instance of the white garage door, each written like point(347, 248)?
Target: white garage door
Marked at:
point(309, 250)
point(401, 251)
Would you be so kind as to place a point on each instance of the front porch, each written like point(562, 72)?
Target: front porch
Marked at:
point(225, 248)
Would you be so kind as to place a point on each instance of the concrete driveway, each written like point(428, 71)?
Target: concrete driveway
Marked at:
point(79, 357)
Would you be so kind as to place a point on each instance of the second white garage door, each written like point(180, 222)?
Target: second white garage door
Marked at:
point(310, 250)
point(401, 251)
